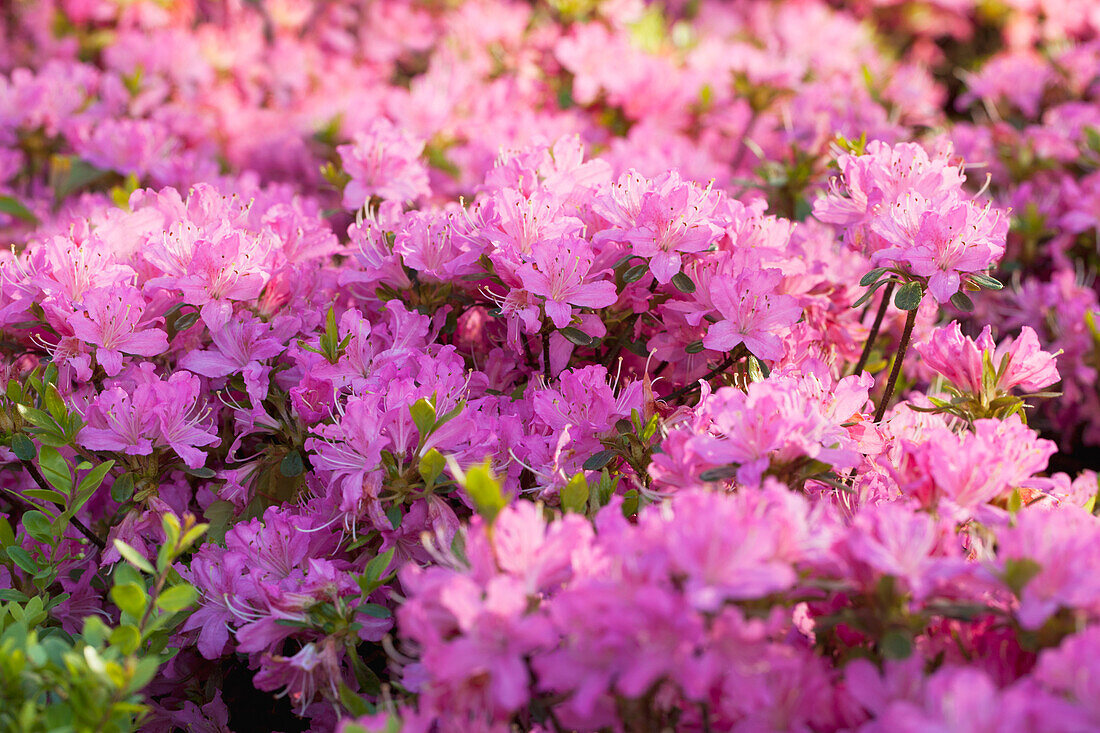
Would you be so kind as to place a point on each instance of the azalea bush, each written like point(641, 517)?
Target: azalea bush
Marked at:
point(606, 365)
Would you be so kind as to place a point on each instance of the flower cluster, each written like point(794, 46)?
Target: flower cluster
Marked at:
point(545, 365)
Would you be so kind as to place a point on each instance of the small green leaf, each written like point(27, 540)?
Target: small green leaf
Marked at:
point(378, 565)
point(16, 208)
point(55, 469)
point(292, 465)
point(574, 495)
point(177, 598)
point(93, 479)
point(133, 557)
point(576, 336)
point(599, 460)
point(683, 283)
point(185, 321)
point(485, 491)
point(38, 526)
point(872, 276)
point(909, 296)
point(962, 301)
point(127, 638)
point(423, 415)
point(431, 466)
point(22, 558)
point(694, 347)
point(985, 281)
point(7, 594)
point(718, 474)
point(23, 447)
point(130, 598)
point(635, 273)
point(54, 403)
point(896, 645)
point(123, 488)
point(375, 611)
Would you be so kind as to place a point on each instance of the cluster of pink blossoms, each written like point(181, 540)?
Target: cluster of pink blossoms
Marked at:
point(508, 350)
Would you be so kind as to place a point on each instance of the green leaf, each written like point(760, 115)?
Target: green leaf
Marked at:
point(130, 598)
point(292, 465)
point(683, 283)
point(985, 281)
point(38, 418)
point(16, 208)
point(872, 276)
point(23, 447)
point(574, 495)
point(896, 645)
point(177, 598)
point(909, 296)
point(431, 466)
point(485, 491)
point(718, 474)
point(576, 336)
point(356, 706)
point(423, 415)
point(1019, 573)
point(378, 565)
point(47, 495)
point(123, 488)
point(93, 479)
point(22, 558)
point(694, 347)
point(635, 273)
point(185, 321)
point(55, 469)
point(133, 557)
point(127, 638)
point(375, 611)
point(7, 594)
point(38, 526)
point(55, 404)
point(962, 301)
point(599, 460)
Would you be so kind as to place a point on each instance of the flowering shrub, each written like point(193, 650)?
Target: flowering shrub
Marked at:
point(561, 365)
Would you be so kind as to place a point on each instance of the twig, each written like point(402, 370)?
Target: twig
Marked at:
point(546, 355)
point(886, 292)
point(738, 352)
point(910, 319)
point(43, 484)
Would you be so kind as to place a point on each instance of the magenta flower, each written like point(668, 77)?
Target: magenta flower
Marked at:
point(561, 273)
point(752, 313)
point(383, 161)
point(113, 322)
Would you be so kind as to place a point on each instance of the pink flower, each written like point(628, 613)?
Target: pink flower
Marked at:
point(561, 273)
point(383, 161)
point(113, 322)
point(753, 313)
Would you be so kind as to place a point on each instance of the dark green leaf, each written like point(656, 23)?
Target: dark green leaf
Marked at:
point(718, 474)
point(909, 296)
point(575, 336)
point(23, 447)
point(22, 558)
point(962, 301)
point(635, 273)
point(985, 281)
point(16, 208)
point(292, 465)
point(694, 347)
point(683, 283)
point(872, 276)
point(123, 488)
point(185, 321)
point(375, 611)
point(38, 526)
point(896, 645)
point(599, 460)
